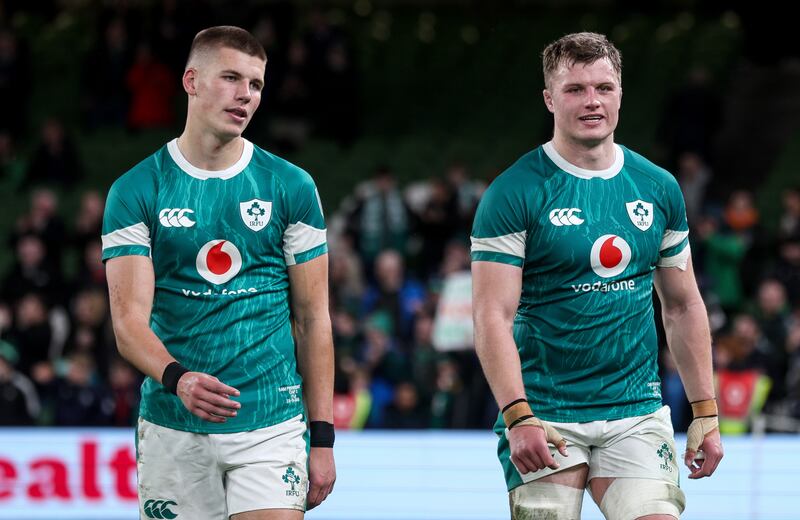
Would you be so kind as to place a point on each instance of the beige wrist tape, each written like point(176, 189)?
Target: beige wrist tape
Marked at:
point(552, 435)
point(698, 429)
point(705, 408)
point(516, 410)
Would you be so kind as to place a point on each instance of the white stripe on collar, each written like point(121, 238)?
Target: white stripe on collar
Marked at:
point(199, 173)
point(614, 169)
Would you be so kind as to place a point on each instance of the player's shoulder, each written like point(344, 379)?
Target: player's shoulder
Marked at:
point(529, 171)
point(143, 177)
point(640, 165)
point(290, 175)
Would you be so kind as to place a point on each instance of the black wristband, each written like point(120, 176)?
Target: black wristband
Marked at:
point(171, 376)
point(322, 434)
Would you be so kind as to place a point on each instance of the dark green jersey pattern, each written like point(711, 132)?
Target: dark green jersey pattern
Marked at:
point(587, 243)
point(220, 243)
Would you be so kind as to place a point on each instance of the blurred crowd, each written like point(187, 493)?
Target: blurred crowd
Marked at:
point(399, 254)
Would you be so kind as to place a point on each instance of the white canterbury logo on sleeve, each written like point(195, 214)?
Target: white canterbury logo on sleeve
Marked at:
point(175, 217)
point(566, 217)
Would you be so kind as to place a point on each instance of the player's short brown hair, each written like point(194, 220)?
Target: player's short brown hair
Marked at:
point(226, 36)
point(582, 47)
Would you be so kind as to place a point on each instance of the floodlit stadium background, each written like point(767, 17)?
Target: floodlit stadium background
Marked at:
point(439, 96)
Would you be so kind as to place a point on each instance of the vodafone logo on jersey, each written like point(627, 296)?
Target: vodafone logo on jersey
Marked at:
point(218, 261)
point(610, 255)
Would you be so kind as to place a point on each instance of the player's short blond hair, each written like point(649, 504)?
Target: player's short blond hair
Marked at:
point(582, 47)
point(225, 36)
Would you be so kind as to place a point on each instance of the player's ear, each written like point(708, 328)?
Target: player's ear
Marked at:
point(548, 100)
point(189, 78)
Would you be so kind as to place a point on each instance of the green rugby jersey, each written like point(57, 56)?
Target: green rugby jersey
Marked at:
point(220, 242)
point(587, 243)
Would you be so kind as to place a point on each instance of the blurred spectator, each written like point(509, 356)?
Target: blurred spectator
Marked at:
point(32, 334)
point(15, 83)
point(12, 165)
point(79, 399)
point(89, 222)
point(406, 412)
point(468, 192)
point(438, 223)
point(152, 88)
point(105, 69)
point(448, 388)
point(42, 220)
point(55, 161)
point(787, 268)
point(744, 347)
point(693, 177)
point(379, 218)
point(346, 279)
point(352, 404)
point(125, 382)
point(790, 218)
point(30, 273)
point(90, 332)
point(772, 316)
point(18, 399)
point(91, 270)
point(394, 294)
point(722, 253)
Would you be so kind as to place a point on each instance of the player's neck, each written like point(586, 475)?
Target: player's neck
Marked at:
point(208, 152)
point(589, 157)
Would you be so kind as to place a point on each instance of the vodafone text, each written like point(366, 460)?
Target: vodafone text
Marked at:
point(624, 285)
point(224, 292)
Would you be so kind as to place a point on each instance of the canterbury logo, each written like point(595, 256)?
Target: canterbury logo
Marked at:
point(159, 509)
point(175, 217)
point(566, 217)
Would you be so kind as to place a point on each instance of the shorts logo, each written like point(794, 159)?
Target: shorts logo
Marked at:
point(566, 217)
point(292, 478)
point(665, 454)
point(159, 509)
point(218, 261)
point(177, 217)
point(641, 214)
point(610, 255)
point(256, 213)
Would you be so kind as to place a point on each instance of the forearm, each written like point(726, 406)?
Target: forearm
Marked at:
point(499, 357)
point(689, 340)
point(315, 362)
point(138, 344)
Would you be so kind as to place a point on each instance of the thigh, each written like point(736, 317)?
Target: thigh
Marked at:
point(559, 495)
point(637, 447)
point(266, 470)
point(178, 474)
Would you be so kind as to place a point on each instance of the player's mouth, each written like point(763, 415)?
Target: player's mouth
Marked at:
point(592, 119)
point(238, 114)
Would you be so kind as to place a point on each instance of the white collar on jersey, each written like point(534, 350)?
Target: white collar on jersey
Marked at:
point(199, 173)
point(583, 173)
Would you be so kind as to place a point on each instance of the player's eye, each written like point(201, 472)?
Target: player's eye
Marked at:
point(229, 78)
point(255, 85)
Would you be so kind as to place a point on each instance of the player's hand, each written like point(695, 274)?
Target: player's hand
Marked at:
point(207, 397)
point(321, 475)
point(703, 435)
point(529, 445)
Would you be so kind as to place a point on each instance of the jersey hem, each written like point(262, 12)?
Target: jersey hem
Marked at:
point(255, 426)
point(600, 416)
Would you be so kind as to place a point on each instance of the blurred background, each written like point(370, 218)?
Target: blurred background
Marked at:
point(403, 111)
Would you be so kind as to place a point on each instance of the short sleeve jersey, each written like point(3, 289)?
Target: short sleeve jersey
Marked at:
point(220, 243)
point(587, 243)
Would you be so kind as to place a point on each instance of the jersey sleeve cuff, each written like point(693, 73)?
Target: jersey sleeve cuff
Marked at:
point(493, 256)
point(116, 251)
point(305, 256)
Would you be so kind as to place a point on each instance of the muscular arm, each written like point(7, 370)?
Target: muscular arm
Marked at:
point(496, 290)
point(131, 285)
point(309, 292)
point(689, 340)
point(308, 284)
point(686, 326)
